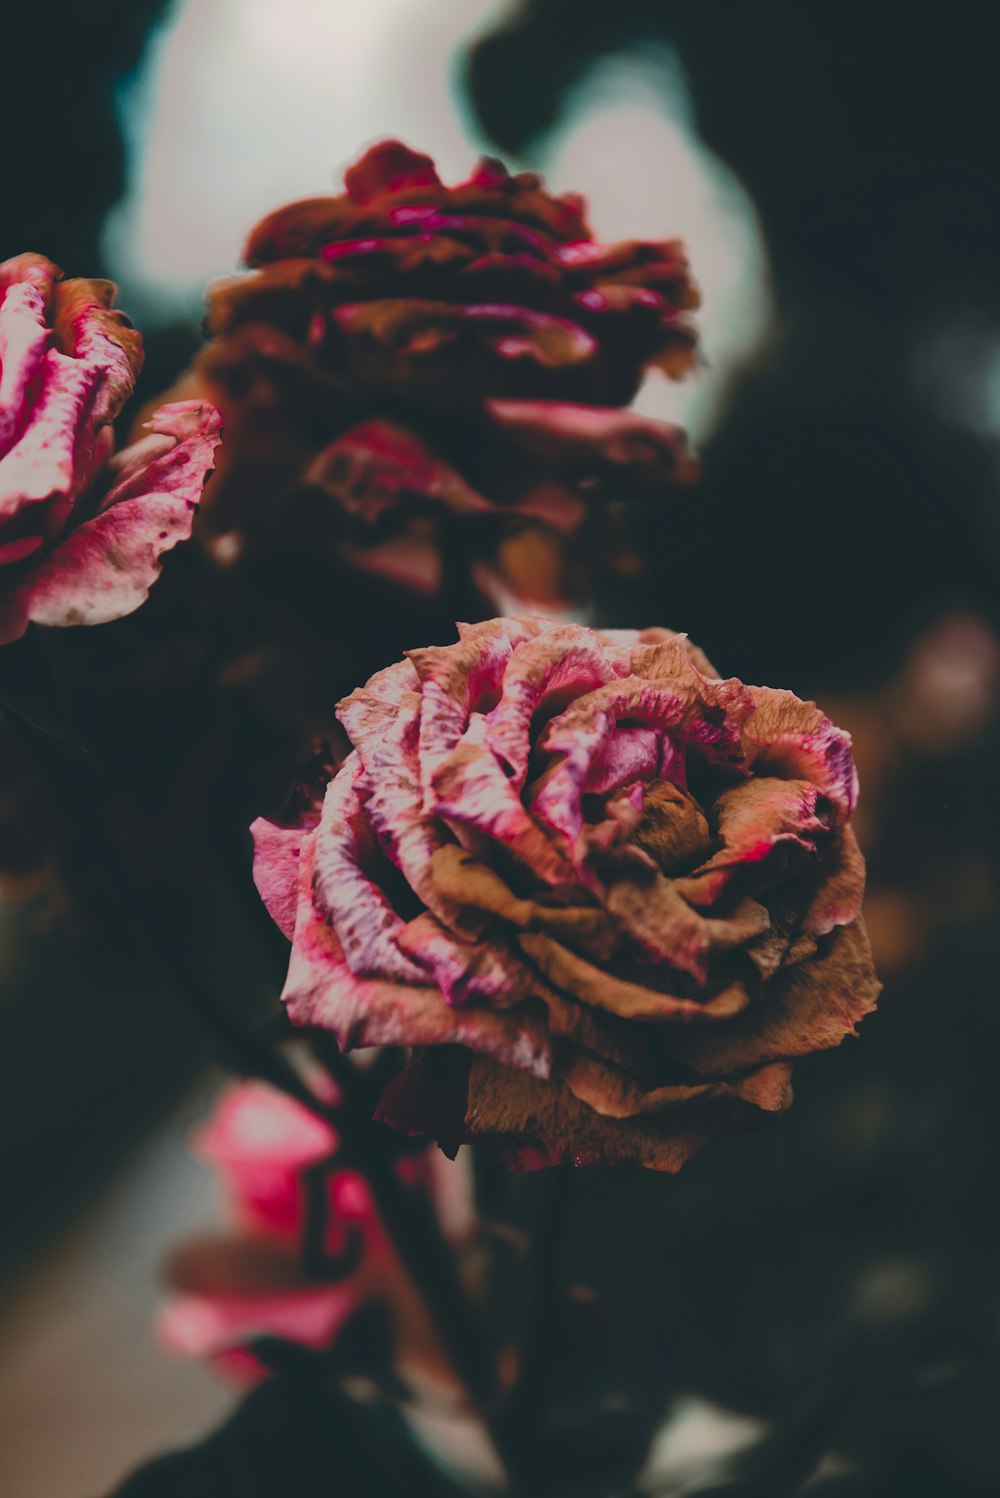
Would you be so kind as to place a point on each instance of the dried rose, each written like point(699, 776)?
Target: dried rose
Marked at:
point(413, 360)
point(81, 532)
point(620, 892)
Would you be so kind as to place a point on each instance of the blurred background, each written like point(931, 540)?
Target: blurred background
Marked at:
point(835, 178)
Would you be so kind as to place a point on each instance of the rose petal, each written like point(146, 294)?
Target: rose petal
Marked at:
point(602, 990)
point(620, 444)
point(276, 852)
point(753, 821)
point(106, 567)
point(810, 1006)
point(529, 1124)
point(466, 972)
point(321, 990)
point(792, 738)
point(25, 291)
point(613, 1093)
point(343, 849)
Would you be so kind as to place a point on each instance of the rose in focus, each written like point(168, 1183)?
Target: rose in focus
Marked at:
point(408, 361)
point(82, 532)
point(605, 896)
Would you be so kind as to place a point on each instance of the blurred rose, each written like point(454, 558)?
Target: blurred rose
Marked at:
point(306, 1252)
point(615, 895)
point(409, 363)
point(82, 532)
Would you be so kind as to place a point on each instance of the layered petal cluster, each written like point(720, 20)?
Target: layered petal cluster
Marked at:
point(82, 533)
point(419, 356)
point(606, 896)
point(305, 1251)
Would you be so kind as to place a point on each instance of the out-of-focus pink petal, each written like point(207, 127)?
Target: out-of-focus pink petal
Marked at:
point(210, 1326)
point(262, 1142)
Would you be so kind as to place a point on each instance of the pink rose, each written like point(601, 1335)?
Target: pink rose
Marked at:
point(81, 532)
point(606, 896)
point(305, 1251)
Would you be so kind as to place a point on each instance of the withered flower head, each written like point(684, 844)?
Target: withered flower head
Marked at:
point(81, 532)
point(607, 896)
point(407, 357)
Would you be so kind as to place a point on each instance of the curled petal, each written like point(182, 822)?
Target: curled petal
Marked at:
point(105, 568)
point(276, 852)
point(602, 990)
point(810, 1006)
point(788, 737)
point(364, 920)
point(465, 972)
point(618, 443)
point(752, 820)
point(321, 990)
point(527, 1124)
point(614, 1093)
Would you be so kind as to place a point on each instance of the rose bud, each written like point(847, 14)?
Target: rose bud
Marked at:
point(605, 896)
point(82, 532)
point(419, 379)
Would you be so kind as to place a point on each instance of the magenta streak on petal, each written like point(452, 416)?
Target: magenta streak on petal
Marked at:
point(362, 917)
point(341, 249)
point(513, 345)
point(822, 756)
point(448, 695)
point(93, 347)
point(472, 790)
point(105, 567)
point(366, 712)
point(556, 662)
point(629, 754)
point(23, 341)
point(465, 971)
point(580, 735)
point(321, 990)
point(673, 762)
point(44, 463)
point(390, 788)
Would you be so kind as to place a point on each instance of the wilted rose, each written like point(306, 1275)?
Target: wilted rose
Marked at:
point(607, 896)
point(407, 360)
point(81, 532)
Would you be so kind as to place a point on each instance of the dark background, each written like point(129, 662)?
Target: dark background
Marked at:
point(837, 1273)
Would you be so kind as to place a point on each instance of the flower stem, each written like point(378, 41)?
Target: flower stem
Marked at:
point(523, 1420)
